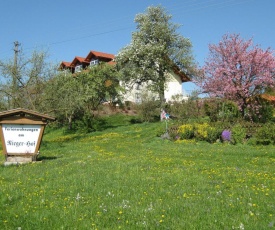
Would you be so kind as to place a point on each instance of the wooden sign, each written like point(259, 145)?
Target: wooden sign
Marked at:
point(20, 138)
point(21, 133)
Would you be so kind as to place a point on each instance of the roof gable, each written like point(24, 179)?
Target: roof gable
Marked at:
point(24, 112)
point(184, 77)
point(99, 55)
point(77, 60)
point(64, 65)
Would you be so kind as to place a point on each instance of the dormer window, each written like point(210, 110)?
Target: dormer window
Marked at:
point(94, 62)
point(78, 68)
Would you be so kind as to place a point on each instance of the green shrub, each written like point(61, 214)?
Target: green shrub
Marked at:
point(186, 110)
point(238, 134)
point(173, 132)
point(149, 111)
point(221, 110)
point(149, 108)
point(211, 108)
point(266, 134)
point(263, 112)
point(252, 141)
point(213, 134)
point(227, 110)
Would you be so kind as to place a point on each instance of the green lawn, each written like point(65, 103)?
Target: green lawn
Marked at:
point(126, 177)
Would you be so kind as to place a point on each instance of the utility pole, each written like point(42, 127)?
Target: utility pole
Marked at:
point(16, 51)
point(15, 75)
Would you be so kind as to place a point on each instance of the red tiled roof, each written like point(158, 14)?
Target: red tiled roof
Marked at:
point(76, 60)
point(111, 63)
point(268, 97)
point(110, 57)
point(104, 57)
point(99, 55)
point(66, 64)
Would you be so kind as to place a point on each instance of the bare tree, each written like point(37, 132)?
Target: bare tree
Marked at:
point(23, 79)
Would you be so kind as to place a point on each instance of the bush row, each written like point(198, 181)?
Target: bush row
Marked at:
point(238, 133)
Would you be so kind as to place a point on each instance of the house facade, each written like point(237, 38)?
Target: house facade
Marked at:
point(80, 63)
point(173, 88)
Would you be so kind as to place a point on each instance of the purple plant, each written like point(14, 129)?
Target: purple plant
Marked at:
point(226, 135)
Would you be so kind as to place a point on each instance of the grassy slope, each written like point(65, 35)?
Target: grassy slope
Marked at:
point(126, 177)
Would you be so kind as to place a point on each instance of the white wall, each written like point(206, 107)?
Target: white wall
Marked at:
point(173, 88)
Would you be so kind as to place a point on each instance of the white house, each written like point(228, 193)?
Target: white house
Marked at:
point(173, 90)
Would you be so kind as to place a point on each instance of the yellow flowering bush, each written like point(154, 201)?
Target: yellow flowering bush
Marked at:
point(186, 131)
point(202, 131)
point(206, 132)
point(198, 131)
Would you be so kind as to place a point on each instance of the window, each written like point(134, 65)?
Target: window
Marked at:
point(78, 68)
point(94, 62)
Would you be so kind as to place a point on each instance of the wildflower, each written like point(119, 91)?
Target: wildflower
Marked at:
point(226, 135)
point(251, 213)
point(242, 226)
point(78, 197)
point(110, 194)
point(125, 204)
point(150, 208)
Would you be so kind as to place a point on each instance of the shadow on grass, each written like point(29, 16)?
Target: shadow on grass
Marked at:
point(82, 127)
point(41, 158)
point(103, 123)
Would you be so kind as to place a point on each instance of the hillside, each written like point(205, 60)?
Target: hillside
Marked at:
point(127, 177)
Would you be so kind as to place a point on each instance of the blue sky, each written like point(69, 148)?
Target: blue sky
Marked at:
point(72, 28)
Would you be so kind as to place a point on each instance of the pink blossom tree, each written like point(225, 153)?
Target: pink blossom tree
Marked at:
point(238, 71)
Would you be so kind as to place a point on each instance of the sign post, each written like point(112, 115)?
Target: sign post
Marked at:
point(21, 133)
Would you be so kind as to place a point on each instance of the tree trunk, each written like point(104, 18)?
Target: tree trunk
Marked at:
point(161, 88)
point(70, 122)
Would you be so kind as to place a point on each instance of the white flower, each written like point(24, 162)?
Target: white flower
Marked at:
point(242, 226)
point(78, 197)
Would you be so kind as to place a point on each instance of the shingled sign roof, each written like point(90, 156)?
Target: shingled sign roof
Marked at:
point(23, 113)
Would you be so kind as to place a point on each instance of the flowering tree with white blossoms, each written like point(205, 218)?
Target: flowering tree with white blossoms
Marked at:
point(238, 71)
point(156, 47)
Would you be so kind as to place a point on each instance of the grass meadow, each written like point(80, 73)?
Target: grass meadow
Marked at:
point(125, 177)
